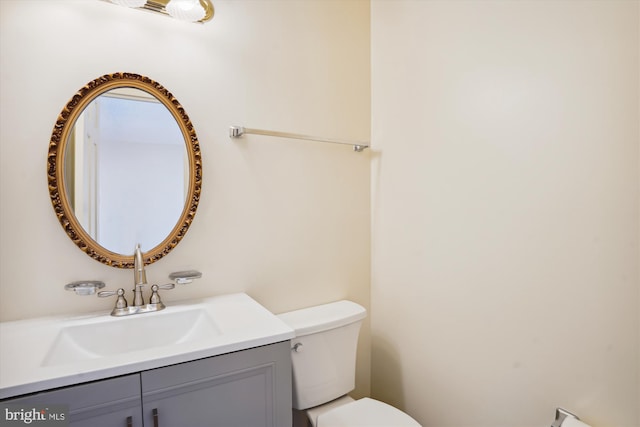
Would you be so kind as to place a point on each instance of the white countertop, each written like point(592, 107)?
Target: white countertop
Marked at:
point(26, 365)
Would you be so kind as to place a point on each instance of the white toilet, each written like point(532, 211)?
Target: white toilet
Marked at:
point(323, 356)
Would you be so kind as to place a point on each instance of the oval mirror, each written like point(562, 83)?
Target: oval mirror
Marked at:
point(124, 167)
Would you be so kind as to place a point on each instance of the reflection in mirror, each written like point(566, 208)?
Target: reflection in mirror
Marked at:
point(124, 166)
point(123, 140)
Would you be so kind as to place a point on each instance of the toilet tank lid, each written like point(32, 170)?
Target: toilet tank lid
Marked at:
point(323, 317)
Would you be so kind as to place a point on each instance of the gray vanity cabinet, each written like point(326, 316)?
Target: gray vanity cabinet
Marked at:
point(250, 388)
point(113, 402)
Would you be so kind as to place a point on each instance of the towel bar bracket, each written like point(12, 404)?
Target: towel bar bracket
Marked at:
point(561, 415)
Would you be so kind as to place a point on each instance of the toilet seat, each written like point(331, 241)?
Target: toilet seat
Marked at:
point(366, 412)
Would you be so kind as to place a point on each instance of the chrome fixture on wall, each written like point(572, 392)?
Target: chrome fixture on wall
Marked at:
point(84, 287)
point(186, 10)
point(566, 418)
point(238, 131)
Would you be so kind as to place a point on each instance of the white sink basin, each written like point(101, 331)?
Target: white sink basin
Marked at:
point(44, 353)
point(132, 333)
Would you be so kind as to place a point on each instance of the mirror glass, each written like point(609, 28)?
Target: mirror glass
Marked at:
point(122, 141)
point(124, 168)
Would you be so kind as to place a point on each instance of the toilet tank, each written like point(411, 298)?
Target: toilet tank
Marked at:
point(323, 354)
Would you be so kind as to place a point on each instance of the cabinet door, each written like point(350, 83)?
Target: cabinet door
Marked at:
point(108, 403)
point(250, 388)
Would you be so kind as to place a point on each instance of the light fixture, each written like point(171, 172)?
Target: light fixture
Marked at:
point(185, 10)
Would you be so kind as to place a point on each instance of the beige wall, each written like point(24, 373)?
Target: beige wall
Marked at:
point(505, 210)
point(504, 195)
point(285, 221)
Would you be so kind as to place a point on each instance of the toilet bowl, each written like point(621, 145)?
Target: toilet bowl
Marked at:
point(323, 359)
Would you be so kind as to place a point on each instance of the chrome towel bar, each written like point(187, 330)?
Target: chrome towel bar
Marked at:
point(238, 131)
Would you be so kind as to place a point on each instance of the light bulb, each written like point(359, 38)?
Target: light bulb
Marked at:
point(185, 10)
point(130, 3)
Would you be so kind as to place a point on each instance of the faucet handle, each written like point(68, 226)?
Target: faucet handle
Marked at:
point(121, 302)
point(155, 298)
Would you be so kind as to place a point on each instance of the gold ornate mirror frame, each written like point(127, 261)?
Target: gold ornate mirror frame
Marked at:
point(55, 167)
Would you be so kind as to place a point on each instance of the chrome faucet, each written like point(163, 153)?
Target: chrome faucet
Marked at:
point(139, 277)
point(139, 282)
